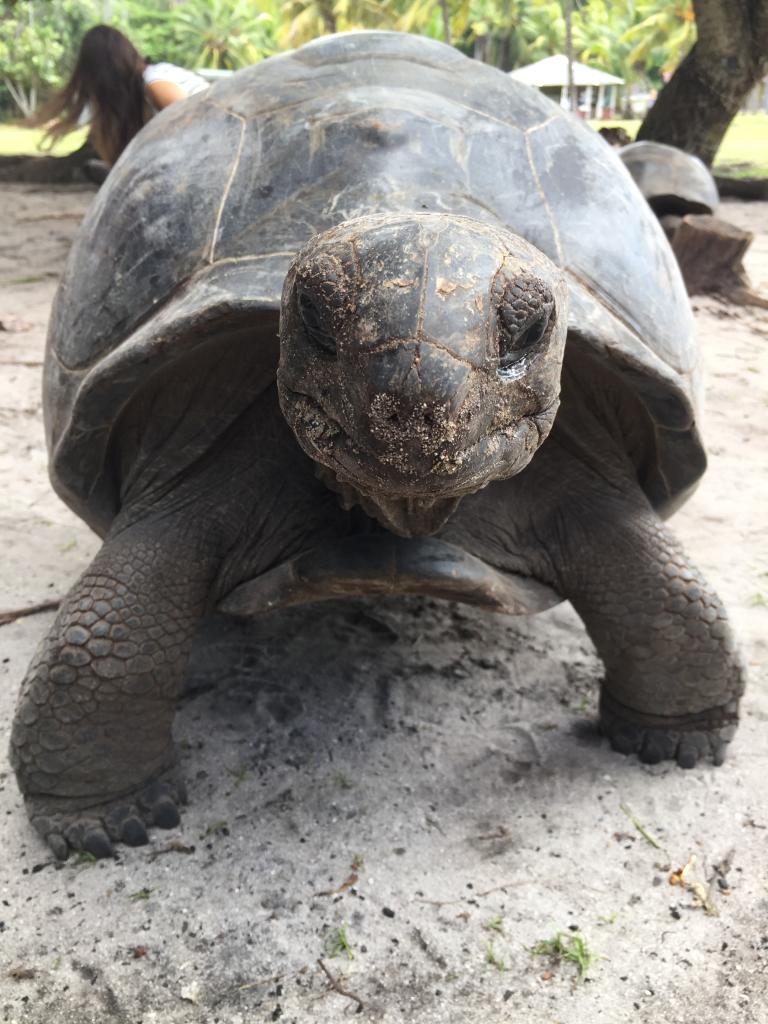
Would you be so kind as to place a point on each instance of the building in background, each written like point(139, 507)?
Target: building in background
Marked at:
point(596, 90)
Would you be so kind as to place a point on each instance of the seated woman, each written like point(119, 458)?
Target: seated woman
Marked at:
point(116, 90)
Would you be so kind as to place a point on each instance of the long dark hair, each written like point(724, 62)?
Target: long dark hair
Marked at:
point(107, 77)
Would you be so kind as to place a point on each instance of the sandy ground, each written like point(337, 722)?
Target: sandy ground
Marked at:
point(445, 759)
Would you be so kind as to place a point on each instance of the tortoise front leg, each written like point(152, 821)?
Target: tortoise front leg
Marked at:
point(673, 676)
point(91, 741)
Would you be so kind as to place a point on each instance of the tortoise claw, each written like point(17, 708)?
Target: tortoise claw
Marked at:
point(65, 827)
point(96, 842)
point(686, 739)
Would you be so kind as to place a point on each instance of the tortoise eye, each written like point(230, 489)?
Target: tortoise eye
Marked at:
point(514, 343)
point(316, 330)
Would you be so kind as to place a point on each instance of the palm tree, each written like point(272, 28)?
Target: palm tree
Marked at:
point(543, 30)
point(573, 99)
point(439, 19)
point(598, 32)
point(509, 33)
point(222, 33)
point(663, 36)
point(308, 19)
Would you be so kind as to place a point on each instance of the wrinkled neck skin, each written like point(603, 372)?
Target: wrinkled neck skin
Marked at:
point(420, 360)
point(407, 517)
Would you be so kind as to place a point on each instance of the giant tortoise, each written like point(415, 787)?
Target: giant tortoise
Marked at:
point(483, 387)
point(673, 181)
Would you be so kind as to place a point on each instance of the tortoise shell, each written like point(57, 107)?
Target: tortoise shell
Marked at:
point(189, 240)
point(671, 180)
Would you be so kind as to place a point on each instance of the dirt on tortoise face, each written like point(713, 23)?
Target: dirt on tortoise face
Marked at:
point(420, 359)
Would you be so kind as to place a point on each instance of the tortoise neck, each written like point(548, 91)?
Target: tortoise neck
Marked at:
point(406, 517)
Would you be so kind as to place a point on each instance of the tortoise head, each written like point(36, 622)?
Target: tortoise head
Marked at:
point(420, 359)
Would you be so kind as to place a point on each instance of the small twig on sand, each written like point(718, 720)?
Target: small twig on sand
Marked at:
point(440, 903)
point(500, 833)
point(22, 973)
point(475, 895)
point(260, 983)
point(649, 838)
point(11, 614)
point(65, 215)
point(352, 880)
point(173, 847)
point(507, 885)
point(21, 362)
point(337, 987)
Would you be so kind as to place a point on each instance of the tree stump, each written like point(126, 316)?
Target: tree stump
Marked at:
point(710, 252)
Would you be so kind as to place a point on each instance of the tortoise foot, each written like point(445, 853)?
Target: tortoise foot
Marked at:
point(687, 739)
point(83, 825)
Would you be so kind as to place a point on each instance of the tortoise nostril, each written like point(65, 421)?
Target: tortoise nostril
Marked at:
point(411, 418)
point(403, 418)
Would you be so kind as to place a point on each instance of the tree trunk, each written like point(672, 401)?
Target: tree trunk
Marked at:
point(572, 96)
point(19, 97)
point(446, 21)
point(696, 106)
point(328, 16)
point(504, 59)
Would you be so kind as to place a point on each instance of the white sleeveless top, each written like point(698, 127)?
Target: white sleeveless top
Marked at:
point(165, 72)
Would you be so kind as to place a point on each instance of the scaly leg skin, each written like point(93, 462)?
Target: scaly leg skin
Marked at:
point(91, 741)
point(577, 519)
point(673, 674)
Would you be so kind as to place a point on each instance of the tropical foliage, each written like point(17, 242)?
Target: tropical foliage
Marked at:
point(665, 34)
point(631, 38)
point(35, 41)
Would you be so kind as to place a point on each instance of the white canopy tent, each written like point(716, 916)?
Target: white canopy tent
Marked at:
point(551, 76)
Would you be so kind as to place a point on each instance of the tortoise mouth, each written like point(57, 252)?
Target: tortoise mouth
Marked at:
point(501, 452)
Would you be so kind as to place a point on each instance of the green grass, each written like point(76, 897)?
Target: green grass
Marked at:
point(337, 943)
point(140, 896)
point(84, 859)
point(744, 150)
point(572, 948)
point(496, 924)
point(492, 957)
point(16, 140)
point(745, 143)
